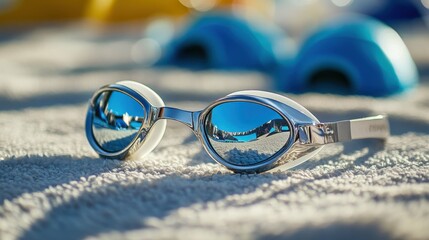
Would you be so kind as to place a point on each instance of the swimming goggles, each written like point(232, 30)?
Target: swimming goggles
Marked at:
point(246, 131)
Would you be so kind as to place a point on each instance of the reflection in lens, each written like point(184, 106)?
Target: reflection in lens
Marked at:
point(246, 133)
point(117, 119)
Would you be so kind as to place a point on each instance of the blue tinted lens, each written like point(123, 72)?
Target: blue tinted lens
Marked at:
point(246, 133)
point(117, 119)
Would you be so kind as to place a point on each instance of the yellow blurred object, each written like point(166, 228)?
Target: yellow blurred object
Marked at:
point(31, 11)
point(129, 10)
point(110, 11)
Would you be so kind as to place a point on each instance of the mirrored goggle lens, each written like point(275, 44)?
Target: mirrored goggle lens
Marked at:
point(246, 133)
point(117, 119)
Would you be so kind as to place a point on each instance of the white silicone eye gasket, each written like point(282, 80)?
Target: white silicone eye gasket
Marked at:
point(293, 104)
point(156, 132)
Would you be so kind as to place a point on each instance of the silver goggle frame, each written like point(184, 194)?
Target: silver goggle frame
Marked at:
point(307, 134)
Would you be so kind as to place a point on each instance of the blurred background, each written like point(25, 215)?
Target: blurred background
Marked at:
point(375, 48)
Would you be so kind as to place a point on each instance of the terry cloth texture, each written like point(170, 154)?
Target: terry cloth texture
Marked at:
point(54, 186)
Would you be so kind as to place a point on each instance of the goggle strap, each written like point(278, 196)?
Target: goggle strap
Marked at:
point(341, 131)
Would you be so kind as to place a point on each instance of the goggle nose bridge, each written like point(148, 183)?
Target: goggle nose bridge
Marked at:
point(179, 115)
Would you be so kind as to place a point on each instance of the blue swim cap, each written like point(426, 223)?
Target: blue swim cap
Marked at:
point(357, 55)
point(225, 41)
